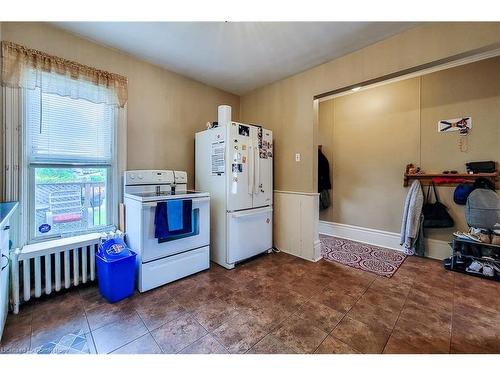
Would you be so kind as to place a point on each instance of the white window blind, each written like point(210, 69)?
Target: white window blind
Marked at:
point(63, 130)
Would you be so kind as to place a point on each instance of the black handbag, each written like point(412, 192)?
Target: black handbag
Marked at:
point(436, 214)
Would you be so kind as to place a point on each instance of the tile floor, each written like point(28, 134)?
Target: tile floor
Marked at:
point(277, 304)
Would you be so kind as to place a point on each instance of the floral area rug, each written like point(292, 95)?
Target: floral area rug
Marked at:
point(378, 260)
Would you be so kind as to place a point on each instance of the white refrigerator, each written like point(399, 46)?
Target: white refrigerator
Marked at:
point(234, 163)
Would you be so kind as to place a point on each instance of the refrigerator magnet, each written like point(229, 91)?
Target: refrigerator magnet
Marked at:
point(237, 168)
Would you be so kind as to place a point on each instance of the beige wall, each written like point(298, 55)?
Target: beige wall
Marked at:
point(471, 90)
point(370, 136)
point(286, 106)
point(164, 109)
point(375, 134)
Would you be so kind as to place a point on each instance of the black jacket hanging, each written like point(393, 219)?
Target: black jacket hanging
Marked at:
point(324, 182)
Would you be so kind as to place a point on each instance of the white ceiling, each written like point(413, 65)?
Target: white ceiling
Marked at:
point(236, 56)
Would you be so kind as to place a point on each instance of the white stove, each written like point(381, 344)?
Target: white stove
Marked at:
point(151, 197)
point(164, 260)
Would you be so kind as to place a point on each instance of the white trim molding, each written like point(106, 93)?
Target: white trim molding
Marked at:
point(435, 249)
point(317, 250)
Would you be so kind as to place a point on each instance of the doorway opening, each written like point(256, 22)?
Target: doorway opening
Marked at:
point(369, 133)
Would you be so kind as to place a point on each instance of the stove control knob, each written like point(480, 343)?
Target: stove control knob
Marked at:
point(132, 176)
point(139, 176)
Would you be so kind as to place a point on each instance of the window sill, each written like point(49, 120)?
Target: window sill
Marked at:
point(58, 245)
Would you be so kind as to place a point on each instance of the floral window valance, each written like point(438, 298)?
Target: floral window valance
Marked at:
point(28, 68)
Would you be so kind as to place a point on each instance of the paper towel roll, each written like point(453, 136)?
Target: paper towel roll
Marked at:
point(224, 115)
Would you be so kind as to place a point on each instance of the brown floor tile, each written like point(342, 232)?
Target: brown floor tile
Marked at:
point(143, 345)
point(417, 339)
point(362, 337)
point(180, 286)
point(104, 314)
point(320, 315)
point(58, 303)
point(262, 285)
point(16, 337)
point(243, 300)
point(375, 308)
point(119, 333)
point(221, 285)
point(155, 314)
point(271, 345)
point(91, 298)
point(332, 345)
point(430, 300)
point(374, 315)
point(240, 333)
point(305, 287)
point(46, 328)
point(286, 300)
point(434, 289)
point(431, 316)
point(389, 302)
point(404, 274)
point(247, 271)
point(153, 296)
point(178, 334)
point(342, 274)
point(300, 335)
point(215, 271)
point(475, 334)
point(214, 313)
point(476, 315)
point(206, 345)
point(478, 298)
point(395, 287)
point(466, 282)
point(351, 285)
point(196, 297)
point(268, 315)
point(337, 299)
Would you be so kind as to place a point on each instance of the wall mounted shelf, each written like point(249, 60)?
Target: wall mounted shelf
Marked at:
point(426, 178)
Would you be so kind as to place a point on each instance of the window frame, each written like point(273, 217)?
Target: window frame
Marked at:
point(28, 170)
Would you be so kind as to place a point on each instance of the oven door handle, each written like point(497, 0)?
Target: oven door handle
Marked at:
point(195, 200)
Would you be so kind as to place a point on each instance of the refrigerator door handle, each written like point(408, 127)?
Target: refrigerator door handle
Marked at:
point(253, 212)
point(250, 170)
point(257, 170)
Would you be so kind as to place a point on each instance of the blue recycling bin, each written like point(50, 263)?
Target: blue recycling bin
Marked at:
point(115, 270)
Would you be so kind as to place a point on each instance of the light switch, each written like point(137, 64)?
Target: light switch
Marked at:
point(297, 157)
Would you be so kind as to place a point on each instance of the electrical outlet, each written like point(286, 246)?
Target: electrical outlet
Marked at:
point(297, 157)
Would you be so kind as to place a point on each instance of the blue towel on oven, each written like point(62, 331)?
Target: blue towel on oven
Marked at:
point(175, 215)
point(173, 218)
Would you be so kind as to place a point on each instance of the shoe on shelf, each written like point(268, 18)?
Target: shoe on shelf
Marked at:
point(488, 270)
point(495, 267)
point(467, 236)
point(473, 237)
point(495, 239)
point(475, 267)
point(484, 237)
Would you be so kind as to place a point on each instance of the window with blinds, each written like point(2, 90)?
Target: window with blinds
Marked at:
point(66, 130)
point(70, 156)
